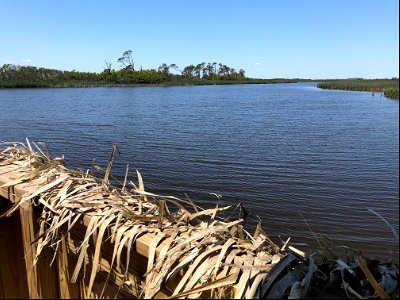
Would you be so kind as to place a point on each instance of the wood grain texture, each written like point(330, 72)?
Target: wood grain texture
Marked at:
point(65, 264)
point(13, 281)
point(28, 235)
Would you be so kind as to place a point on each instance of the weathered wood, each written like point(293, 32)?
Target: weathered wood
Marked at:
point(139, 254)
point(65, 287)
point(13, 283)
point(42, 278)
point(2, 296)
point(98, 229)
point(15, 193)
point(20, 279)
point(135, 272)
point(28, 235)
point(8, 173)
point(139, 251)
point(65, 264)
point(48, 275)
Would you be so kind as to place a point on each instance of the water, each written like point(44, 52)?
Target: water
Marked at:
point(278, 149)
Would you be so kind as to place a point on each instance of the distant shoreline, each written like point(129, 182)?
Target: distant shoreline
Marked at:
point(389, 87)
point(15, 76)
point(7, 84)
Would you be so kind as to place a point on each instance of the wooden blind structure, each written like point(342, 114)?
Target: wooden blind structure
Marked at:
point(69, 234)
point(76, 236)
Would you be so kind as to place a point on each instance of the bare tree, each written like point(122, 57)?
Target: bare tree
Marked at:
point(215, 67)
point(126, 60)
point(175, 67)
point(108, 64)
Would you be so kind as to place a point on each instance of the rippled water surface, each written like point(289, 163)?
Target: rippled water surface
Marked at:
point(277, 149)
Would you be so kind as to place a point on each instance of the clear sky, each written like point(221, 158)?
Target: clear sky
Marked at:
point(268, 38)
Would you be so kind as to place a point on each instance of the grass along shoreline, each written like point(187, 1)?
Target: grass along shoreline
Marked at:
point(99, 83)
point(389, 87)
point(14, 76)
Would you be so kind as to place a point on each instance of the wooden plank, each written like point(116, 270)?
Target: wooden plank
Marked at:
point(8, 173)
point(142, 243)
point(48, 275)
point(15, 193)
point(65, 264)
point(42, 278)
point(2, 296)
point(28, 235)
point(12, 266)
point(139, 252)
point(137, 267)
point(138, 255)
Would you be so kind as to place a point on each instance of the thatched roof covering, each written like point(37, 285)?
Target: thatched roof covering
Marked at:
point(203, 254)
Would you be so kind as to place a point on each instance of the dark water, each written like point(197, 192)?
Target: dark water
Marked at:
point(277, 149)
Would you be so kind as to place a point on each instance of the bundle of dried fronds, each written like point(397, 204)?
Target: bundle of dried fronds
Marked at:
point(204, 254)
point(215, 254)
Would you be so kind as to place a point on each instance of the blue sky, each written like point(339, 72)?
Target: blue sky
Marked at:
point(269, 39)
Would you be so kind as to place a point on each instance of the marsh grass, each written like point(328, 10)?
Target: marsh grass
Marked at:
point(101, 83)
point(389, 87)
point(49, 83)
point(392, 93)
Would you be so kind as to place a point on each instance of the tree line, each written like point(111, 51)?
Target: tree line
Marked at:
point(12, 72)
point(171, 72)
point(126, 74)
point(167, 72)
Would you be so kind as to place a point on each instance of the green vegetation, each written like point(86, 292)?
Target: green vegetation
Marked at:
point(389, 87)
point(170, 74)
point(392, 93)
point(212, 73)
point(48, 83)
point(13, 76)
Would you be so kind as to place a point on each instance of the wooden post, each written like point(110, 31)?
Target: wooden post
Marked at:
point(65, 266)
point(28, 235)
point(13, 282)
point(42, 278)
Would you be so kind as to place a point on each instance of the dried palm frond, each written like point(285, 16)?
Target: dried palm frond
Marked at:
point(194, 254)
